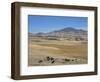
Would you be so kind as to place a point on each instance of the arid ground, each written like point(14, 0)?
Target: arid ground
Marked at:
point(53, 52)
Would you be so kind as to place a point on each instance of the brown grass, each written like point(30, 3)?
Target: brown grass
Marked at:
point(58, 50)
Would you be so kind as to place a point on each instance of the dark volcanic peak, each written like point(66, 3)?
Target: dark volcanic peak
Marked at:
point(70, 29)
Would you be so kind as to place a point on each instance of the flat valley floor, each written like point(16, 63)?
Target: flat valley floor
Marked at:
point(53, 52)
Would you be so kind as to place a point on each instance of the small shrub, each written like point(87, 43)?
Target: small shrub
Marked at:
point(67, 59)
point(40, 61)
point(52, 58)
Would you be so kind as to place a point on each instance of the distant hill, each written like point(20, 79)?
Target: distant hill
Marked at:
point(70, 29)
point(67, 33)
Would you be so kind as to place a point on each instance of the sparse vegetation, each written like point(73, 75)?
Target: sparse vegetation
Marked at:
point(40, 61)
point(61, 48)
point(67, 60)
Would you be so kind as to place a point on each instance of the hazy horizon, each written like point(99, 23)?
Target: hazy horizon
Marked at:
point(45, 24)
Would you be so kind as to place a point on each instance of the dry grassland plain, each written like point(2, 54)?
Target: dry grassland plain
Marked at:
point(53, 52)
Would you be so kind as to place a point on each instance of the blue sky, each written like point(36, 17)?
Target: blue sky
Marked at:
point(39, 23)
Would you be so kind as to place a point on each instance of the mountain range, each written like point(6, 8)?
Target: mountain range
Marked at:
point(68, 33)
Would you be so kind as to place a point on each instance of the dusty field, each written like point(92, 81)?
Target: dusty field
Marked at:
point(52, 52)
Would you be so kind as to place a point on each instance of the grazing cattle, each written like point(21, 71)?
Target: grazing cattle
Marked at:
point(52, 58)
point(48, 58)
point(53, 61)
